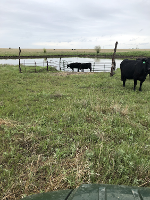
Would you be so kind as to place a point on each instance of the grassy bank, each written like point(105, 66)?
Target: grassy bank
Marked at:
point(58, 130)
point(75, 52)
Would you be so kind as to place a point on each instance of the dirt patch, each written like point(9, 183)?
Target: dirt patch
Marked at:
point(7, 122)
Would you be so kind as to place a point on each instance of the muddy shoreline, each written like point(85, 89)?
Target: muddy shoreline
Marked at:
point(64, 56)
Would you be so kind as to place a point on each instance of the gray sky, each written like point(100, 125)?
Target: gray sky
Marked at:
point(77, 24)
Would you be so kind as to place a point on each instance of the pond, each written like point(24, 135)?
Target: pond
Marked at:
point(98, 64)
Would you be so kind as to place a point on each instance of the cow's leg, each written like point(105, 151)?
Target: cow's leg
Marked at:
point(124, 81)
point(140, 89)
point(135, 83)
point(78, 69)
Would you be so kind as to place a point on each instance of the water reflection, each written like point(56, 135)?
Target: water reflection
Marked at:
point(55, 62)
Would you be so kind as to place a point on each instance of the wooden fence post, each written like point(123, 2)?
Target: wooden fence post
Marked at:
point(19, 59)
point(47, 65)
point(93, 66)
point(35, 66)
point(24, 66)
point(113, 61)
point(60, 64)
point(63, 65)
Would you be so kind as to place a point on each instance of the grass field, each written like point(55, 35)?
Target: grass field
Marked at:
point(59, 130)
point(75, 52)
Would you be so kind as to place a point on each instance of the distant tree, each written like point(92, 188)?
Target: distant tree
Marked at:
point(44, 50)
point(97, 49)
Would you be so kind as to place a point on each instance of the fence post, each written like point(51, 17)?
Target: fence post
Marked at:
point(113, 61)
point(19, 59)
point(93, 66)
point(24, 66)
point(63, 65)
point(60, 64)
point(35, 66)
point(47, 65)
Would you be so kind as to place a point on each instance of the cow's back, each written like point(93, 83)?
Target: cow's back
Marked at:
point(74, 65)
point(85, 66)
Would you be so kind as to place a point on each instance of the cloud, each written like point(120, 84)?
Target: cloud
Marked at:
point(82, 23)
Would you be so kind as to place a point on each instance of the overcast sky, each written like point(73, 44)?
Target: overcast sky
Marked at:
point(78, 24)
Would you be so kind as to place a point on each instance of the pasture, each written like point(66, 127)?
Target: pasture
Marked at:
point(61, 129)
point(75, 52)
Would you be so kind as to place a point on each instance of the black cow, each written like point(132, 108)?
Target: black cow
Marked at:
point(85, 66)
point(80, 66)
point(74, 65)
point(135, 69)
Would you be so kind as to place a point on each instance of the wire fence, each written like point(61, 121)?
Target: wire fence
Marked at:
point(61, 65)
point(34, 65)
point(96, 67)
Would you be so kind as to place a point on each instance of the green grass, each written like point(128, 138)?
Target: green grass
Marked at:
point(59, 130)
point(121, 53)
point(133, 54)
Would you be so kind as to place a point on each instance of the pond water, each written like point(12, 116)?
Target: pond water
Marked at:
point(99, 64)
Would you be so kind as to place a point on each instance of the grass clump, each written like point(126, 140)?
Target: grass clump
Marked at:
point(59, 130)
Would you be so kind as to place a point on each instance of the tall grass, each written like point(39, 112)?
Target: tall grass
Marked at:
point(59, 130)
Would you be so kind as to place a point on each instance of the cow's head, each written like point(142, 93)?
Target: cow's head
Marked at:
point(146, 62)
